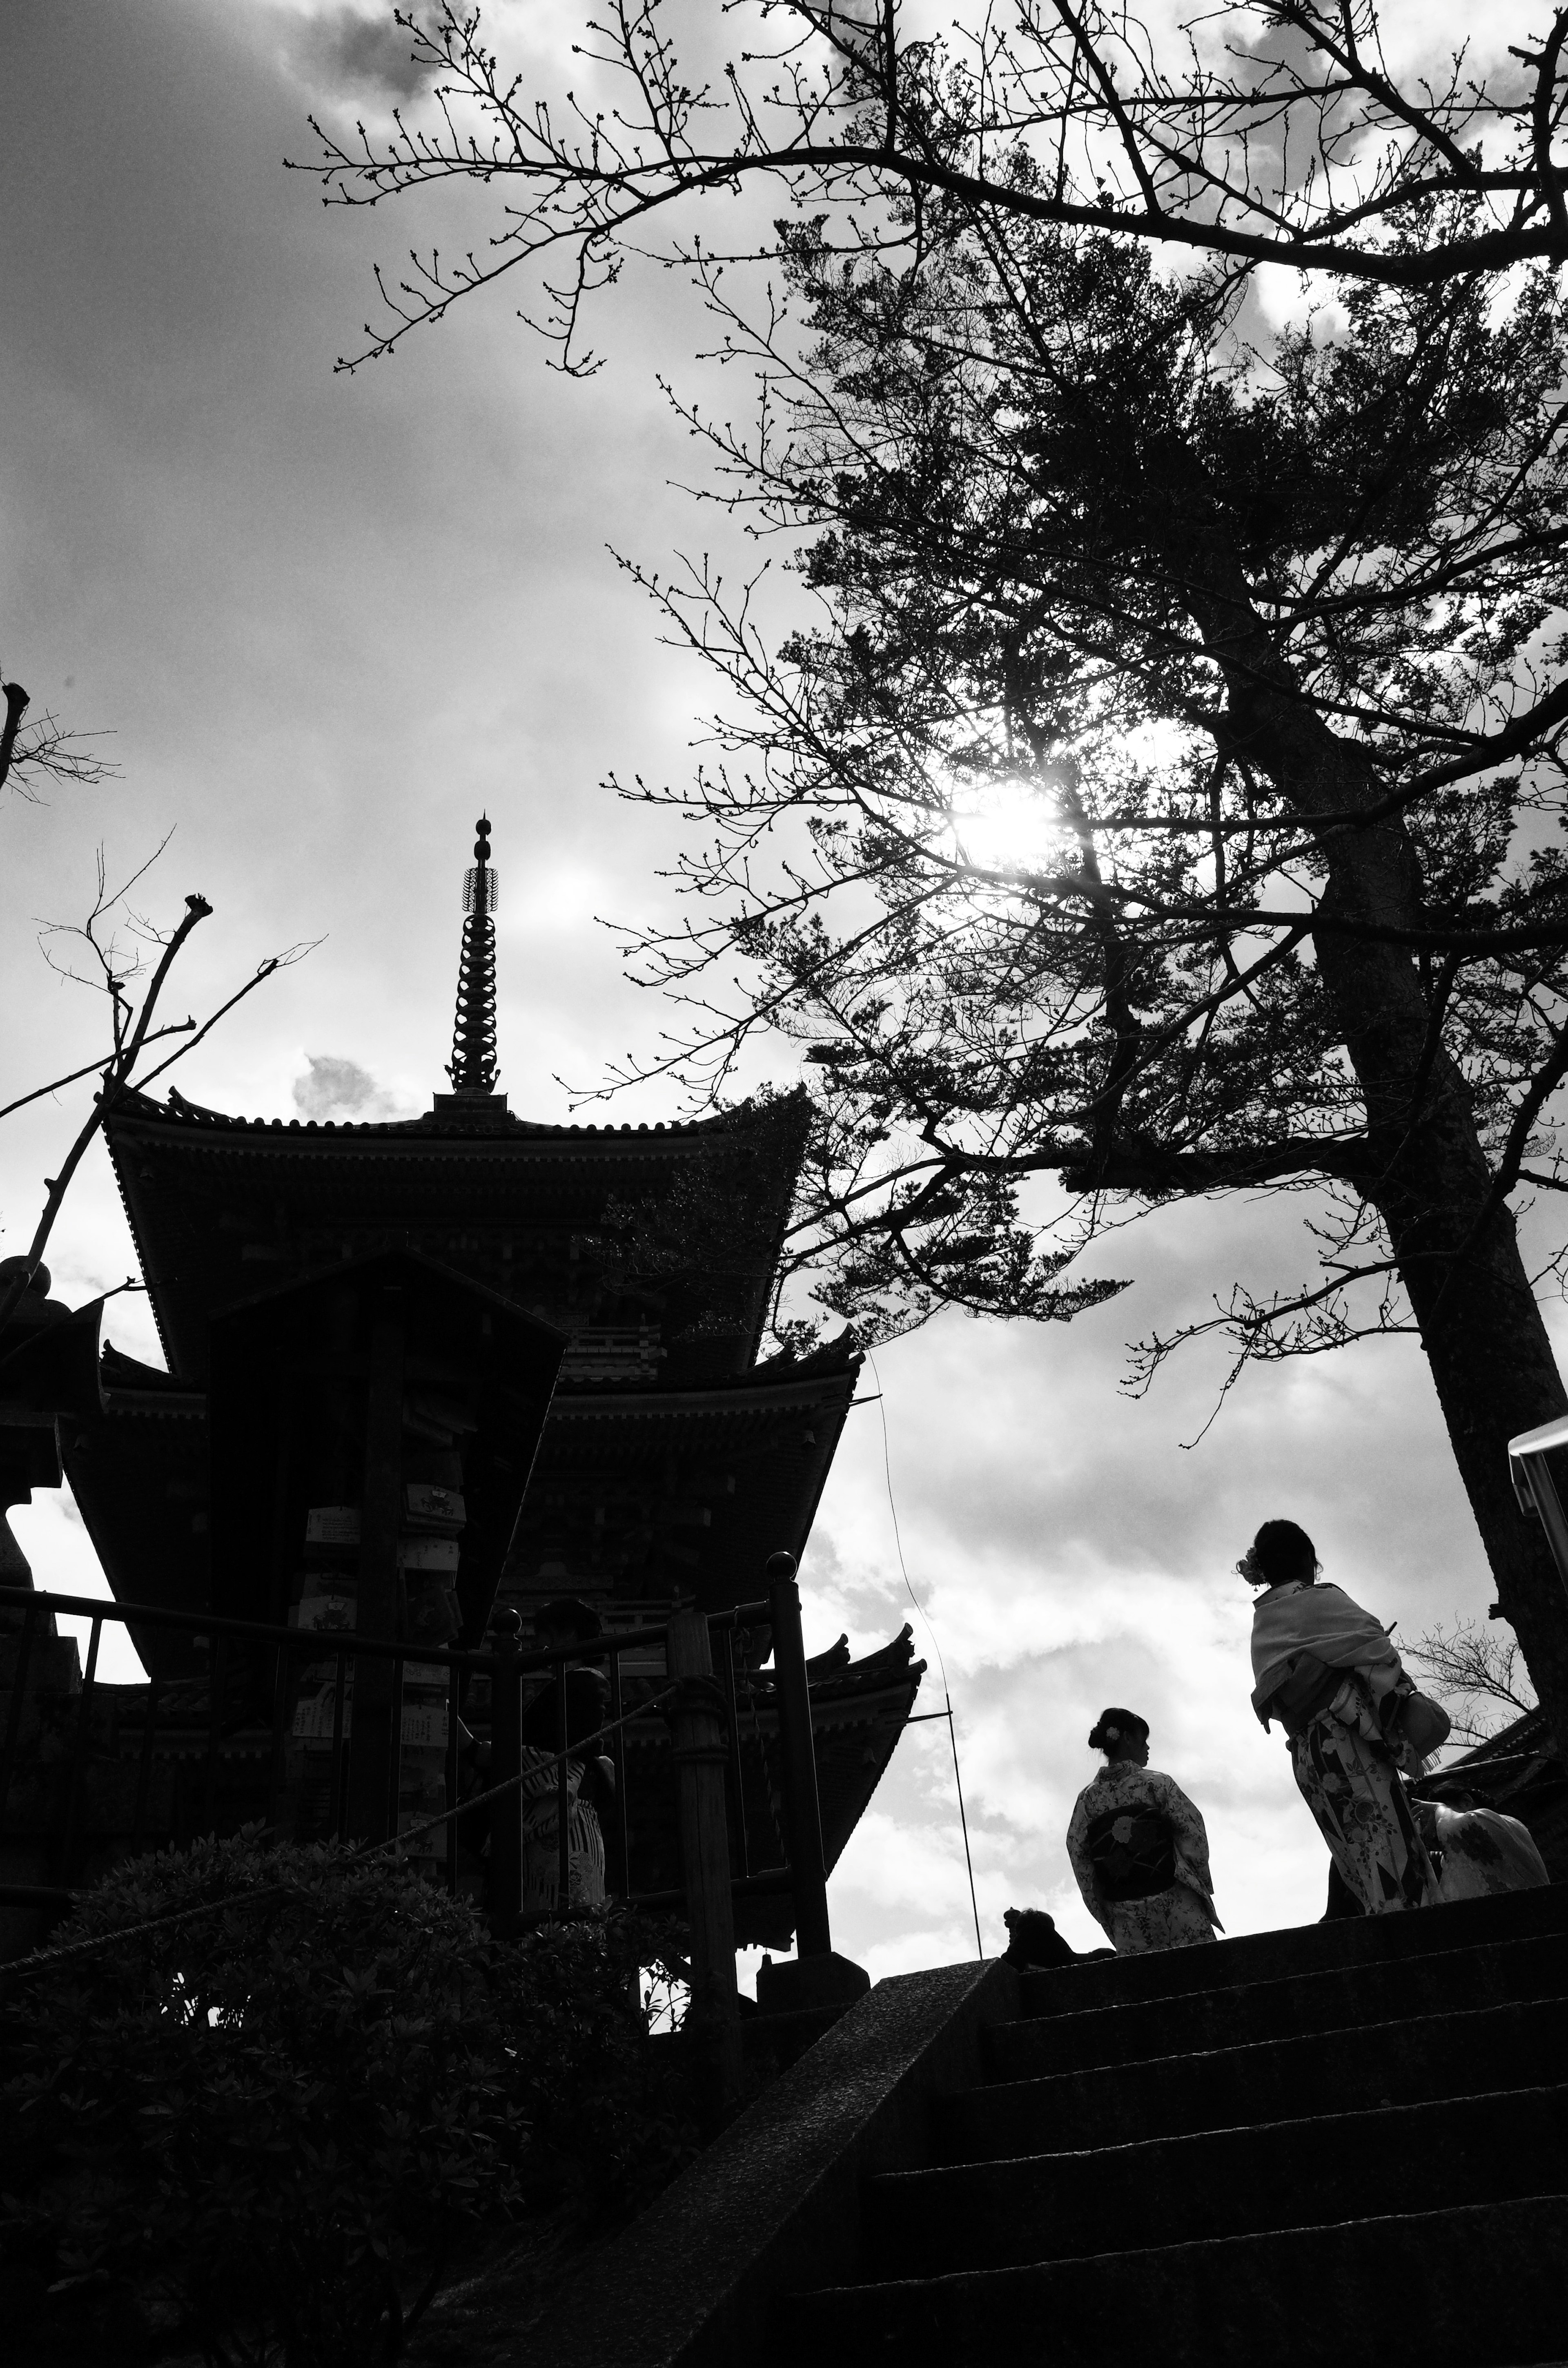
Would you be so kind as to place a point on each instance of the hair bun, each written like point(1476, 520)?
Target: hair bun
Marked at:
point(1114, 1726)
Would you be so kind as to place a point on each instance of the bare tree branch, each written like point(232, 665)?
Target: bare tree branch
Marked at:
point(1215, 137)
point(46, 750)
point(1471, 1669)
point(133, 1033)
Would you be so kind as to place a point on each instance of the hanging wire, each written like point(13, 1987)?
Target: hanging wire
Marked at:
point(946, 1711)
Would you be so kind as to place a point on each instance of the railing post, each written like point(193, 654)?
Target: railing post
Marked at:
point(819, 1976)
point(143, 1764)
point(742, 1854)
point(618, 1754)
point(701, 1754)
point(79, 1752)
point(506, 1887)
point(453, 1704)
point(377, 1737)
point(562, 1794)
point(802, 1811)
point(217, 1674)
point(19, 1704)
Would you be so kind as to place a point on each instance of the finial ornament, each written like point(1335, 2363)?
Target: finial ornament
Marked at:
point(473, 1065)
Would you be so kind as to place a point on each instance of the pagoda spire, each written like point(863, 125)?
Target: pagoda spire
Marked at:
point(473, 1065)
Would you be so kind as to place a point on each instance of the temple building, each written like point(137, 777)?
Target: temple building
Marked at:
point(631, 1269)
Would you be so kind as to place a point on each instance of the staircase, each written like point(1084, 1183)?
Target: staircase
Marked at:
point(1346, 2144)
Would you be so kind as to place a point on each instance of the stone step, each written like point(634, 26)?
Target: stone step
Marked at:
point(1273, 2080)
point(1300, 1948)
point(1477, 2286)
point(1368, 2065)
point(1495, 1973)
point(1229, 2182)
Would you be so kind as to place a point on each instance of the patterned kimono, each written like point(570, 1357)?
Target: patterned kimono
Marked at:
point(1483, 1852)
point(1172, 1919)
point(1347, 1765)
point(542, 1840)
point(588, 1705)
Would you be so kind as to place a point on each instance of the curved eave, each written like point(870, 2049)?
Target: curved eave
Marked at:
point(886, 1703)
point(722, 1420)
point(374, 1176)
point(856, 1729)
point(190, 1123)
point(157, 1405)
point(747, 1402)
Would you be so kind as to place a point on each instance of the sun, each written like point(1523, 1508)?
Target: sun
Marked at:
point(1013, 825)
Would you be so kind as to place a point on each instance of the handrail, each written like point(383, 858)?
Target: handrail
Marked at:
point(498, 1660)
point(349, 1640)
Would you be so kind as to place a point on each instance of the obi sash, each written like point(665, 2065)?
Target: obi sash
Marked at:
point(1133, 1851)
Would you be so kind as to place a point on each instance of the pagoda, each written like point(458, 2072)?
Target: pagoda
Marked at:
point(671, 1458)
point(673, 1462)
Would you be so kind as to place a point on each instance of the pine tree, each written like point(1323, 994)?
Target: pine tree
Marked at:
point(1258, 643)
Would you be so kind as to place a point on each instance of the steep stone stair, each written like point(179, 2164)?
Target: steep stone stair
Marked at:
point(1346, 2142)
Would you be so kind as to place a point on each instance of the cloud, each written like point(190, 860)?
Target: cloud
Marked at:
point(336, 1087)
point(332, 618)
point(1069, 1555)
point(344, 54)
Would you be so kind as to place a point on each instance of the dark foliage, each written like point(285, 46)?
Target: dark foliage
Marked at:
point(1250, 640)
point(1167, 802)
point(1054, 903)
point(270, 2130)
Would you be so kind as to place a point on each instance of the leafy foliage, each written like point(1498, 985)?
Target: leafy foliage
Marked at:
point(694, 1251)
point(1053, 843)
point(1250, 641)
point(270, 2127)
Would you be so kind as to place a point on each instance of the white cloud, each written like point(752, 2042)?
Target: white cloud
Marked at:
point(330, 619)
point(332, 1086)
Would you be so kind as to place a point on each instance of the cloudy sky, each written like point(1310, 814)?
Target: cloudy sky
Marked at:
point(328, 617)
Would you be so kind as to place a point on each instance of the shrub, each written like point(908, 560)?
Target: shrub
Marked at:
point(269, 2128)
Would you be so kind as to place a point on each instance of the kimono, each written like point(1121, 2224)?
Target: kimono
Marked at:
point(541, 1839)
point(1482, 1853)
point(1347, 1764)
point(1171, 1918)
point(587, 1692)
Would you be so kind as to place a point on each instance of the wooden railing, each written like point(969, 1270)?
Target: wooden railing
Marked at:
point(699, 1698)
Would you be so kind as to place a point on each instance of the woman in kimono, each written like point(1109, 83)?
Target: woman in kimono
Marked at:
point(1139, 1848)
point(589, 1779)
point(1329, 1672)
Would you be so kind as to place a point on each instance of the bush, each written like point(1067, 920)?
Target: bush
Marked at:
point(269, 2130)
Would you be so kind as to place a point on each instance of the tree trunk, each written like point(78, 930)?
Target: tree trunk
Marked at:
point(1496, 1375)
point(1426, 1172)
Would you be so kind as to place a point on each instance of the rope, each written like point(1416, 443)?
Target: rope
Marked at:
point(362, 1858)
point(946, 1690)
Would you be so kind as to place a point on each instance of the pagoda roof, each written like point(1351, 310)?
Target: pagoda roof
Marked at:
point(211, 1198)
point(777, 1383)
point(1523, 1738)
point(657, 1464)
point(487, 1118)
point(859, 1708)
point(693, 1488)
